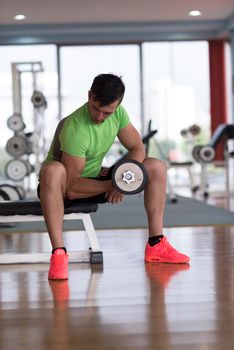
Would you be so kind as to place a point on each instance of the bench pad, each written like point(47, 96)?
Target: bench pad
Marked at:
point(33, 207)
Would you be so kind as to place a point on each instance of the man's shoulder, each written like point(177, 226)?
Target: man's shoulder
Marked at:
point(120, 109)
point(83, 110)
point(120, 112)
point(78, 116)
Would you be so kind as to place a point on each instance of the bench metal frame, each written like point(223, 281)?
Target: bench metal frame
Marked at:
point(94, 255)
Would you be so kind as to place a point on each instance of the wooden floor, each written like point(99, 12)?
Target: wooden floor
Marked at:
point(125, 304)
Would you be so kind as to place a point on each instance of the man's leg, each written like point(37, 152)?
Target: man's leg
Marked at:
point(158, 249)
point(155, 195)
point(52, 192)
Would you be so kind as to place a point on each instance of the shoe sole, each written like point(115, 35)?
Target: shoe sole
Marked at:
point(166, 261)
point(57, 278)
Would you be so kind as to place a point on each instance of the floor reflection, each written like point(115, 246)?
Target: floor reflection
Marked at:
point(58, 334)
point(159, 278)
point(71, 326)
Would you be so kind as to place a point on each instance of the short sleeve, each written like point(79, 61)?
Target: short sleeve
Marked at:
point(73, 141)
point(124, 118)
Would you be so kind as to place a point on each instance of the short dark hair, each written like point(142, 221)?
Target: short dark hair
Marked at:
point(107, 88)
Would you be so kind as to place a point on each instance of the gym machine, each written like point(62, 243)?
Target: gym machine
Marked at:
point(26, 148)
point(190, 135)
point(206, 154)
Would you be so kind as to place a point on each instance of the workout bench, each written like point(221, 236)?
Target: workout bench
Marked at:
point(30, 210)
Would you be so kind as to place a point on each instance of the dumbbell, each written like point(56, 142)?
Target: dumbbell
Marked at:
point(129, 176)
point(193, 130)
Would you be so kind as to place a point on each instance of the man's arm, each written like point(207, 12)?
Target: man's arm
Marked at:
point(78, 187)
point(131, 139)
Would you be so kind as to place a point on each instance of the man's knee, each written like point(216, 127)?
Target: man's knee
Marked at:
point(52, 173)
point(155, 168)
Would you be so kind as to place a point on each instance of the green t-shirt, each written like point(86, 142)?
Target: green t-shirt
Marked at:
point(79, 136)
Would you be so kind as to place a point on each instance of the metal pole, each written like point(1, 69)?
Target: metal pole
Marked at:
point(59, 84)
point(16, 87)
point(143, 131)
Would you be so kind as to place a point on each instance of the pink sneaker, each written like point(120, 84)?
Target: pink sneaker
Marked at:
point(58, 265)
point(163, 252)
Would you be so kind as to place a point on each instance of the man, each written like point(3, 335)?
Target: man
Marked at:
point(73, 165)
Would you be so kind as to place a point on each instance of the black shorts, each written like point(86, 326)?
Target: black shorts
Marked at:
point(105, 174)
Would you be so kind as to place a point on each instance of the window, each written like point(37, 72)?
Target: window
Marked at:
point(80, 64)
point(176, 87)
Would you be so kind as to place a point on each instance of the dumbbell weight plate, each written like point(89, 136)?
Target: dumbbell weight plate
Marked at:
point(17, 146)
point(129, 177)
point(207, 154)
point(196, 153)
point(194, 129)
point(21, 191)
point(12, 192)
point(4, 196)
point(38, 99)
point(16, 169)
point(184, 132)
point(15, 123)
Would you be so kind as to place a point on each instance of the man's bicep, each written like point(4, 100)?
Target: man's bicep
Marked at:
point(74, 165)
point(129, 137)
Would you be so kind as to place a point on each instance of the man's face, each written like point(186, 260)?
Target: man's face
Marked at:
point(99, 114)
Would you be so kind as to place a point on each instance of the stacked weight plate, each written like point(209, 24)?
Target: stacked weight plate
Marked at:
point(18, 147)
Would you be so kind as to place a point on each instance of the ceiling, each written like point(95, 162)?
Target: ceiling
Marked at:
point(96, 11)
point(88, 21)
